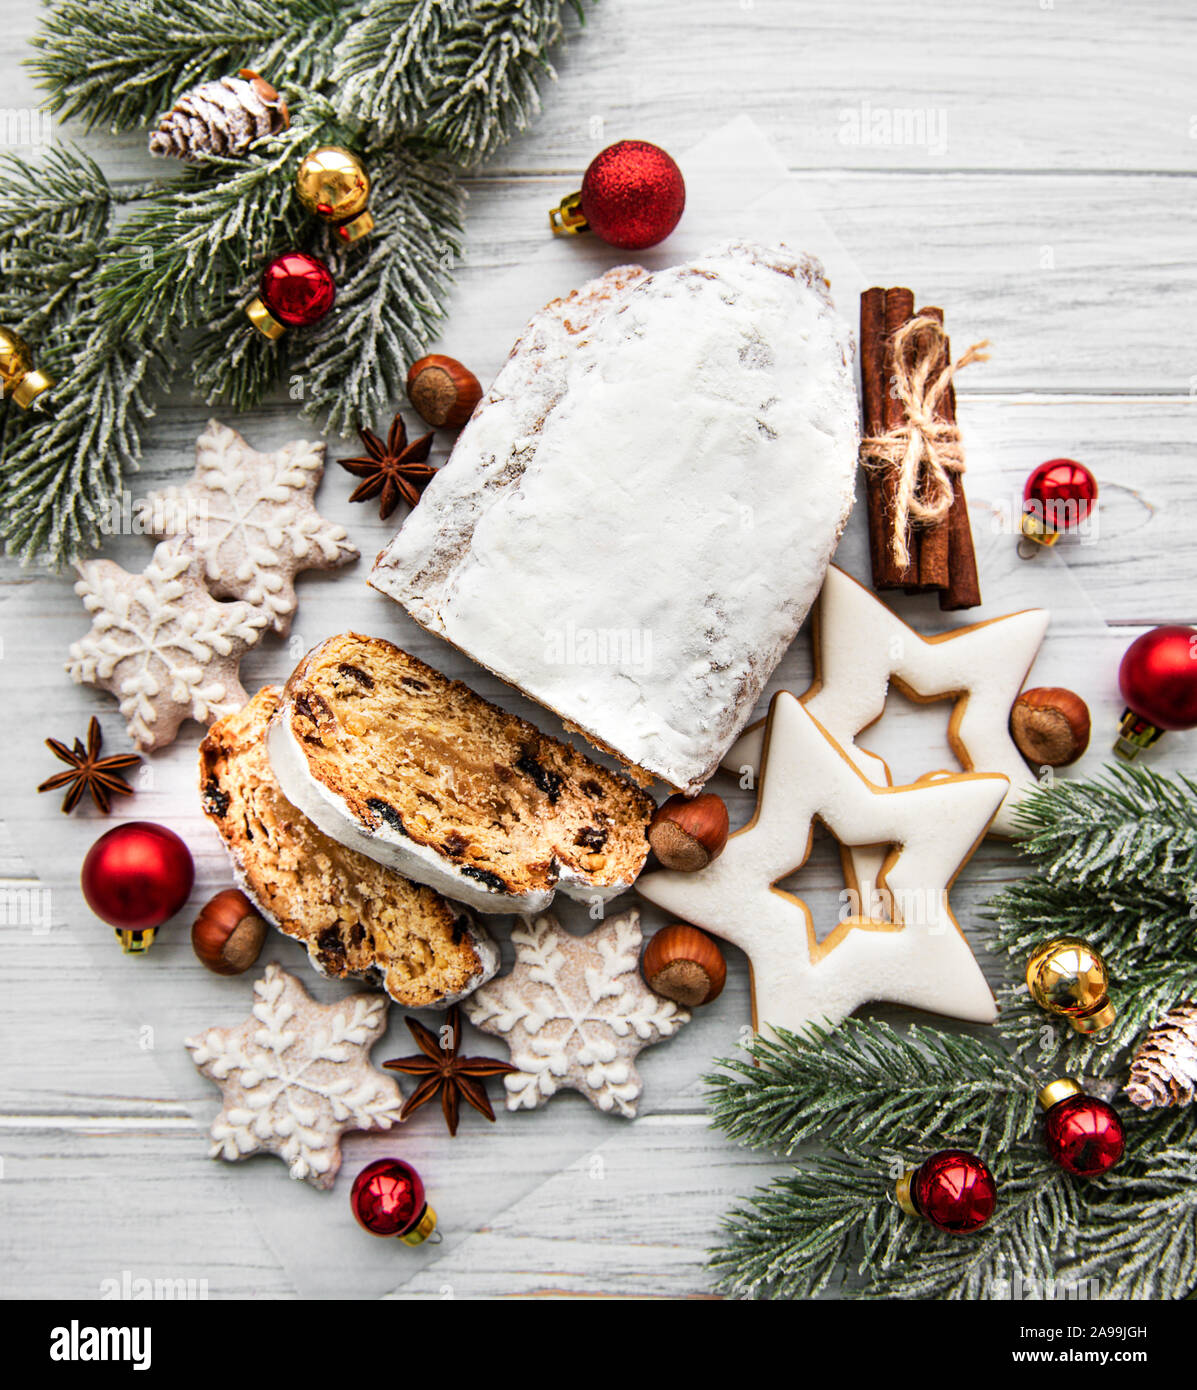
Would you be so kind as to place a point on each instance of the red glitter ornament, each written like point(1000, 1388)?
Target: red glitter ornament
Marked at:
point(388, 1200)
point(135, 877)
point(952, 1189)
point(1084, 1135)
point(1158, 680)
point(1058, 496)
point(296, 291)
point(632, 196)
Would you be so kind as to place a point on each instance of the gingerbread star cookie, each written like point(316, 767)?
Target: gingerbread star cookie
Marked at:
point(917, 957)
point(574, 1013)
point(161, 643)
point(296, 1075)
point(251, 517)
point(862, 647)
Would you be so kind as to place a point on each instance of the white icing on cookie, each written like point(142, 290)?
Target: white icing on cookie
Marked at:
point(575, 1013)
point(634, 523)
point(934, 827)
point(161, 643)
point(296, 1075)
point(251, 518)
point(861, 646)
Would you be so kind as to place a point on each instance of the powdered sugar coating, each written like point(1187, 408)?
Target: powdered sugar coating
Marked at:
point(634, 523)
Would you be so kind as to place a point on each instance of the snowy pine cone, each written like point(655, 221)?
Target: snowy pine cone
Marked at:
point(221, 117)
point(1164, 1070)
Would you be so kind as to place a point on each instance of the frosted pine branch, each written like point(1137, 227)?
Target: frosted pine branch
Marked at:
point(121, 64)
point(1131, 824)
point(391, 60)
point(869, 1089)
point(495, 64)
point(353, 366)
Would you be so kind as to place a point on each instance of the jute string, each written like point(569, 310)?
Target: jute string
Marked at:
point(924, 450)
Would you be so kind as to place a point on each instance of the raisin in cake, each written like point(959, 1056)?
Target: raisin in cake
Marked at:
point(635, 521)
point(355, 917)
point(396, 761)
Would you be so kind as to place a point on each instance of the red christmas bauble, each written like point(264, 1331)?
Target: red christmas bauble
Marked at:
point(633, 195)
point(298, 289)
point(1084, 1136)
point(1158, 677)
point(1060, 494)
point(955, 1191)
point(388, 1197)
point(137, 875)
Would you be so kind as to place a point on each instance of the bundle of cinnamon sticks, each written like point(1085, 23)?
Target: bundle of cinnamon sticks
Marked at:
point(941, 555)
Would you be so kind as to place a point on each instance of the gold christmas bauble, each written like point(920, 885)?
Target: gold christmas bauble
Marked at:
point(332, 182)
point(1068, 977)
point(18, 377)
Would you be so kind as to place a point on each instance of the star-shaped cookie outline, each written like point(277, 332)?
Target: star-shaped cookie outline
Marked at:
point(316, 1057)
point(849, 690)
point(560, 978)
point(932, 828)
point(251, 516)
point(183, 647)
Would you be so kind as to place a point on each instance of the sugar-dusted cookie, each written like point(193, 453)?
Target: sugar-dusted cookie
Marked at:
point(161, 643)
point(918, 957)
point(861, 647)
point(574, 1013)
point(251, 517)
point(296, 1075)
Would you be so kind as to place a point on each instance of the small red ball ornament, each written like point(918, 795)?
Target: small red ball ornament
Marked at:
point(1084, 1135)
point(632, 196)
point(136, 876)
point(1058, 496)
point(952, 1189)
point(296, 291)
point(388, 1200)
point(1158, 680)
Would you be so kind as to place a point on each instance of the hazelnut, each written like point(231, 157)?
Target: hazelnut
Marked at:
point(687, 833)
point(684, 965)
point(228, 934)
point(443, 392)
point(1050, 726)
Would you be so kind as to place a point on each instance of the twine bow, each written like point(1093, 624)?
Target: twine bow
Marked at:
point(925, 450)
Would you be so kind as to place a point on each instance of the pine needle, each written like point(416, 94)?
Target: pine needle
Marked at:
point(108, 308)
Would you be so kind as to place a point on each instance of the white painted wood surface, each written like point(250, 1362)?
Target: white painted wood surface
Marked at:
point(1053, 212)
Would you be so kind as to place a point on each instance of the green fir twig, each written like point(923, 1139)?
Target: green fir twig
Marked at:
point(110, 307)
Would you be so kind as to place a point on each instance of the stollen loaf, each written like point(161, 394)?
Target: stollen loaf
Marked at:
point(635, 521)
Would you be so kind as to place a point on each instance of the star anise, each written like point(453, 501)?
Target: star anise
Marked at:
point(392, 470)
point(455, 1078)
point(88, 772)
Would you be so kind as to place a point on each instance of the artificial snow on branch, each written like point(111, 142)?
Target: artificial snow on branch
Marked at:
point(420, 91)
point(1115, 860)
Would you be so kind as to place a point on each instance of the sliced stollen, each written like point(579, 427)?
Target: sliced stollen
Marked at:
point(398, 762)
point(637, 517)
point(355, 917)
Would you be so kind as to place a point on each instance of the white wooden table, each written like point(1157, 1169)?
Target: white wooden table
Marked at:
point(1049, 206)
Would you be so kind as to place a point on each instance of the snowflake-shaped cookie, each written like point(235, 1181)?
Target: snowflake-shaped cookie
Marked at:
point(574, 1013)
point(296, 1075)
point(252, 519)
point(162, 644)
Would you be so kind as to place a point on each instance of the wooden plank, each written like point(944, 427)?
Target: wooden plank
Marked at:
point(87, 1214)
point(1051, 86)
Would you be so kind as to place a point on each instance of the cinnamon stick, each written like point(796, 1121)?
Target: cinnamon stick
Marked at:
point(899, 309)
point(934, 540)
point(872, 391)
point(964, 586)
